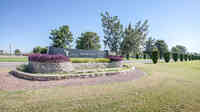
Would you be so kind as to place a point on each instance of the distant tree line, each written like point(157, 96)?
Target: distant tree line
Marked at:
point(130, 41)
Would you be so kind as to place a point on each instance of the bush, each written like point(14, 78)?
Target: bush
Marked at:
point(181, 57)
point(155, 57)
point(89, 60)
point(175, 57)
point(189, 57)
point(185, 57)
point(167, 57)
point(115, 58)
point(48, 58)
point(137, 56)
point(144, 56)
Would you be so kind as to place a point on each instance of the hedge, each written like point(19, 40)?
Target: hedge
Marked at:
point(48, 58)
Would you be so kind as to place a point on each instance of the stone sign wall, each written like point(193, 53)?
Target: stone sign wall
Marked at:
point(78, 53)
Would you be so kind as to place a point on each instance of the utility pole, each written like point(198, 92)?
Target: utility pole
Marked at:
point(10, 47)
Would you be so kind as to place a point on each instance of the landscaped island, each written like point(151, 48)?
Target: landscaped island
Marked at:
point(55, 67)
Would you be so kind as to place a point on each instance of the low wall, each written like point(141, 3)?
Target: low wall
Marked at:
point(96, 65)
point(38, 67)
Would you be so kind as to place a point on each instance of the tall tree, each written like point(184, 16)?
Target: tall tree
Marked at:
point(17, 52)
point(179, 49)
point(134, 38)
point(150, 46)
point(113, 32)
point(61, 37)
point(88, 41)
point(162, 47)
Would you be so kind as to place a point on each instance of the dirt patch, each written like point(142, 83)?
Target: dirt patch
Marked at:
point(9, 82)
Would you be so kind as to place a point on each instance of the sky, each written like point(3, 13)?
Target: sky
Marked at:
point(27, 23)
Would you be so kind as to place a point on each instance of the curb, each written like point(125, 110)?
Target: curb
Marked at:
point(33, 77)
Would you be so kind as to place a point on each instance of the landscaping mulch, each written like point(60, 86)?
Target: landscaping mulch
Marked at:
point(9, 82)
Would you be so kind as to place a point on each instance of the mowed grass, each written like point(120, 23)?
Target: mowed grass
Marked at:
point(13, 59)
point(173, 87)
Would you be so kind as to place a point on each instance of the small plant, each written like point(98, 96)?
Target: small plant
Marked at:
point(115, 58)
point(48, 58)
point(155, 56)
point(167, 57)
point(181, 57)
point(185, 57)
point(175, 57)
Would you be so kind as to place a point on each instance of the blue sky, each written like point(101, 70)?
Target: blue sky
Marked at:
point(26, 23)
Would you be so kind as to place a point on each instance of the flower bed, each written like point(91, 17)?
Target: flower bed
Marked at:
point(48, 58)
point(44, 63)
point(115, 58)
point(115, 61)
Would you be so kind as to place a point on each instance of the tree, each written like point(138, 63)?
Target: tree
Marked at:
point(162, 47)
point(17, 52)
point(61, 37)
point(88, 41)
point(185, 57)
point(134, 38)
point(149, 46)
point(155, 56)
point(39, 49)
point(167, 57)
point(175, 57)
point(181, 57)
point(113, 32)
point(179, 49)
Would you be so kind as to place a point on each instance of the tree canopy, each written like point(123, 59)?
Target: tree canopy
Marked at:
point(88, 41)
point(17, 52)
point(134, 38)
point(113, 32)
point(61, 37)
point(179, 49)
point(162, 47)
point(39, 49)
point(149, 46)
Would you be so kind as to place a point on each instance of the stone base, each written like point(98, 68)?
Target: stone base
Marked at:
point(46, 77)
point(38, 67)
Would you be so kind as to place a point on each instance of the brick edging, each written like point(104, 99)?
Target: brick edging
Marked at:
point(33, 77)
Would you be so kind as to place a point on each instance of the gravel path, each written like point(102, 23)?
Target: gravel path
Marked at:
point(9, 82)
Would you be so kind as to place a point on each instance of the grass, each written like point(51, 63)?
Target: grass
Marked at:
point(172, 87)
point(13, 59)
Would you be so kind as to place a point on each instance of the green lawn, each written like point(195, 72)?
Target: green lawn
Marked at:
point(13, 59)
point(173, 87)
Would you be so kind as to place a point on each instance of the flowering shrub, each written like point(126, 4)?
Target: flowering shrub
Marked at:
point(115, 58)
point(48, 58)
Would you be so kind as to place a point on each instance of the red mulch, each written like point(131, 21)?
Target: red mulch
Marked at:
point(9, 82)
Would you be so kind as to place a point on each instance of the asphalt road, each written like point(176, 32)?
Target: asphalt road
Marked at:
point(10, 65)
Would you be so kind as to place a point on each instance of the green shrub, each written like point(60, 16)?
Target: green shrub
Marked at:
point(175, 57)
point(189, 57)
point(155, 57)
point(89, 60)
point(185, 57)
point(181, 57)
point(144, 56)
point(137, 56)
point(167, 57)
